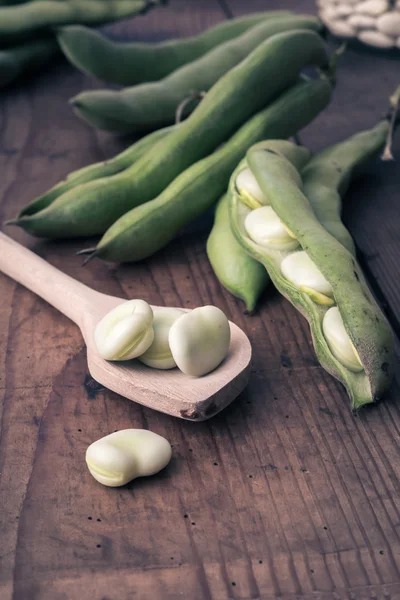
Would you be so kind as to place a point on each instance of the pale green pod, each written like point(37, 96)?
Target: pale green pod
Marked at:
point(364, 322)
point(116, 459)
point(125, 332)
point(199, 340)
point(159, 355)
point(326, 177)
point(238, 272)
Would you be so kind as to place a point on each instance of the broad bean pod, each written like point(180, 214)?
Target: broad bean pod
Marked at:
point(130, 63)
point(328, 174)
point(106, 168)
point(24, 19)
point(147, 228)
point(366, 326)
point(237, 271)
point(29, 56)
point(91, 208)
point(152, 105)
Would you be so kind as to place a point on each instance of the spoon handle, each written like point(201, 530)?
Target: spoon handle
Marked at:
point(61, 291)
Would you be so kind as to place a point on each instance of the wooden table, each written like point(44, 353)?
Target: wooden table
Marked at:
point(284, 494)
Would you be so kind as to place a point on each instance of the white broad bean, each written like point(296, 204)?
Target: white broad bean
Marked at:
point(339, 342)
point(389, 24)
point(362, 21)
point(372, 7)
point(159, 354)
point(302, 272)
point(199, 340)
point(249, 189)
point(341, 28)
point(265, 228)
point(329, 13)
point(377, 39)
point(125, 332)
point(344, 10)
point(116, 459)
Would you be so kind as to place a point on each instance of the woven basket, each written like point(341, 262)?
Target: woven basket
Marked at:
point(373, 22)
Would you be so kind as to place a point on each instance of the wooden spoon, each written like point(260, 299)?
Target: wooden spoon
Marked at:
point(170, 391)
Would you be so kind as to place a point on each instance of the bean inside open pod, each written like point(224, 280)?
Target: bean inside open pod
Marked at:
point(273, 164)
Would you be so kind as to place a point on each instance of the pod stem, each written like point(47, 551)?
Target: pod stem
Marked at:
point(330, 71)
point(16, 222)
point(92, 252)
point(181, 107)
point(394, 102)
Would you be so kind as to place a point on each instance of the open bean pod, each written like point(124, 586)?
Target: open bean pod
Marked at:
point(276, 167)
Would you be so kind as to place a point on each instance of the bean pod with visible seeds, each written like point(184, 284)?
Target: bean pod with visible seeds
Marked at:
point(91, 208)
point(152, 105)
point(130, 63)
point(369, 334)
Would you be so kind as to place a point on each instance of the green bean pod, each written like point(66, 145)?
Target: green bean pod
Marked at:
point(24, 19)
point(148, 228)
point(329, 173)
point(244, 277)
point(106, 168)
point(91, 208)
point(152, 105)
point(364, 323)
point(130, 63)
point(32, 55)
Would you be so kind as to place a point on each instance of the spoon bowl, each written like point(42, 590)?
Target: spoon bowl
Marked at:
point(168, 391)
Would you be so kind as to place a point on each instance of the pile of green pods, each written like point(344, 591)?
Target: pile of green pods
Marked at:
point(92, 207)
point(150, 105)
point(27, 38)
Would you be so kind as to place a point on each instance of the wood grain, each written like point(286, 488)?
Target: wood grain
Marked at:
point(285, 494)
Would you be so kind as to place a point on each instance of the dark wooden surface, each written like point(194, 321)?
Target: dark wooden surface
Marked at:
point(284, 494)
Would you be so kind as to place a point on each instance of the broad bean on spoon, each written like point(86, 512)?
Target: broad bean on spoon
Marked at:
point(172, 392)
